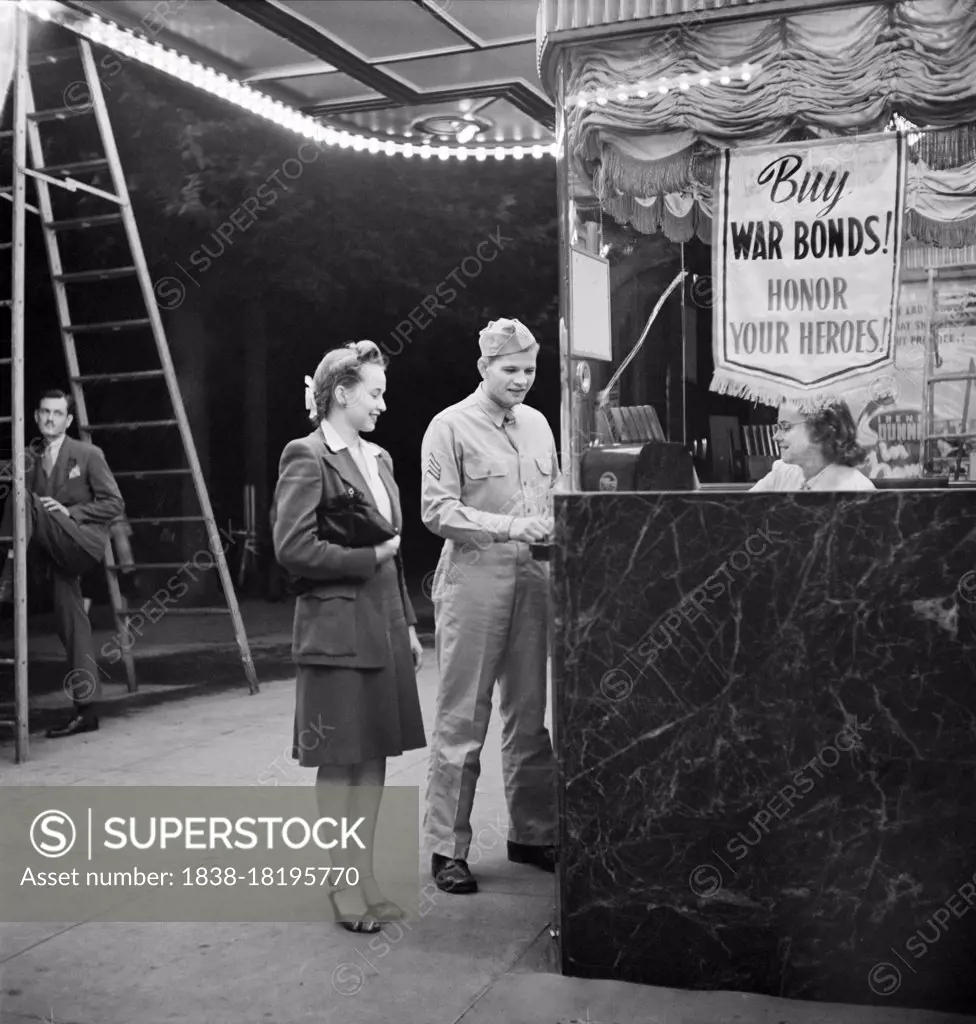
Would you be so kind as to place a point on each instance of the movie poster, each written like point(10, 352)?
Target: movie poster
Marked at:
point(889, 412)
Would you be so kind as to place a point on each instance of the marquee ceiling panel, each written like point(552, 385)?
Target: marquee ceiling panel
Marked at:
point(414, 67)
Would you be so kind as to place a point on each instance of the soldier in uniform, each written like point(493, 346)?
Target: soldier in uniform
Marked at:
point(489, 466)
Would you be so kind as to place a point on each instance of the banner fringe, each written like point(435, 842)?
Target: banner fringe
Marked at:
point(766, 393)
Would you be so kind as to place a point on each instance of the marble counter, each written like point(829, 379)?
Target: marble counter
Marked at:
point(765, 717)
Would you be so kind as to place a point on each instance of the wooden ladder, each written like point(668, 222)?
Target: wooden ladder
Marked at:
point(105, 210)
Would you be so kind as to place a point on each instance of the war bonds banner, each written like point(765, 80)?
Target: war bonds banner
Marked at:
point(806, 250)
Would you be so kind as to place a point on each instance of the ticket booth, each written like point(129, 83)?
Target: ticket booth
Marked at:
point(759, 710)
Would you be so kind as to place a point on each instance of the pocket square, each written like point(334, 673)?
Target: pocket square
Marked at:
point(75, 471)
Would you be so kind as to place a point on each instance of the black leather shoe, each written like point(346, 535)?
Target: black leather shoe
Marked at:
point(78, 724)
point(452, 875)
point(543, 857)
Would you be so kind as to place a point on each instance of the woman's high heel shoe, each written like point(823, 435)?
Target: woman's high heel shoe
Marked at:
point(383, 910)
point(386, 911)
point(364, 924)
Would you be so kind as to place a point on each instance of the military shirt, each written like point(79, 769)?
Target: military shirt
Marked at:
point(483, 466)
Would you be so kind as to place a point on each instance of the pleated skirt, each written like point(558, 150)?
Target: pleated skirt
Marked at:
point(345, 716)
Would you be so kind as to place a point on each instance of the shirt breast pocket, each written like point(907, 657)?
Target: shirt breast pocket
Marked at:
point(478, 469)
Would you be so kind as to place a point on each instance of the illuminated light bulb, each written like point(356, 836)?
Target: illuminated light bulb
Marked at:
point(373, 145)
point(499, 153)
point(462, 153)
point(683, 85)
point(602, 100)
point(480, 153)
point(408, 149)
point(538, 152)
point(444, 153)
point(390, 148)
point(469, 117)
point(622, 96)
point(344, 141)
point(467, 133)
point(581, 101)
point(746, 74)
point(554, 149)
point(518, 152)
point(358, 143)
point(725, 79)
point(705, 80)
point(663, 90)
point(390, 131)
point(425, 152)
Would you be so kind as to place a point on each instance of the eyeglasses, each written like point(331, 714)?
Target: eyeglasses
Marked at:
point(779, 429)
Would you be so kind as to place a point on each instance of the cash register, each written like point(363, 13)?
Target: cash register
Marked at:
point(633, 454)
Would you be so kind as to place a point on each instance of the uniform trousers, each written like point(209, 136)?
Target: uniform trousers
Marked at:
point(491, 618)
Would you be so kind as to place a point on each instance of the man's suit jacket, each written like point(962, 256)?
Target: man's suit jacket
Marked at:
point(84, 484)
point(340, 622)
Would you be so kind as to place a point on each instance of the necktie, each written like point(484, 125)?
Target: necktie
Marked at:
point(48, 462)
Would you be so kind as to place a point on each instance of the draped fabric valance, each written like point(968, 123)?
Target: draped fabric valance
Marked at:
point(842, 72)
point(940, 192)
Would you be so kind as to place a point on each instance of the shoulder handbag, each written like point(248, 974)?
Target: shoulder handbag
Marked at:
point(349, 519)
point(346, 518)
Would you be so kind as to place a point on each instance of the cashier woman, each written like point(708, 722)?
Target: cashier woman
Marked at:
point(818, 451)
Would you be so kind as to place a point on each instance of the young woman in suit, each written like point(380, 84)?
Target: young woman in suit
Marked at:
point(354, 639)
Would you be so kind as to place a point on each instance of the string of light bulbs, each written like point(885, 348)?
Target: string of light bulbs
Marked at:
point(201, 76)
point(682, 83)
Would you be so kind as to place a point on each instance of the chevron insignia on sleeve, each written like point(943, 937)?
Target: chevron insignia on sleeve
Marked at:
point(433, 467)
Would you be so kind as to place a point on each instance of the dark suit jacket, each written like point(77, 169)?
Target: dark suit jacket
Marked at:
point(84, 484)
point(340, 622)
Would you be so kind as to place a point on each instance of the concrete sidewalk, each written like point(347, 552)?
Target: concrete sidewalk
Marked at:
point(474, 959)
point(176, 657)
